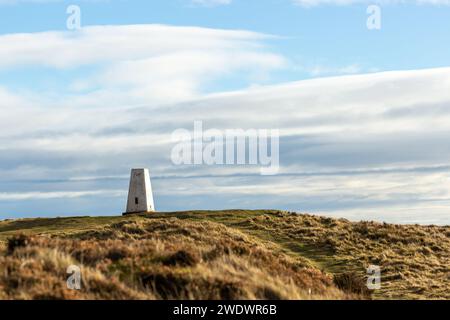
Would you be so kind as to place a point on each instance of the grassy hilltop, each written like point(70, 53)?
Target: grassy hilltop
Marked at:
point(232, 254)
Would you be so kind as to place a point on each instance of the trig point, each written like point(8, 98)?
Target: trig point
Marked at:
point(140, 197)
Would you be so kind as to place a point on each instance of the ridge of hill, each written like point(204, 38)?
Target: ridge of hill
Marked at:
point(229, 254)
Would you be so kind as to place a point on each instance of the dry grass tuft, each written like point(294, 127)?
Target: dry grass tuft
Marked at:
point(414, 260)
point(352, 282)
point(222, 255)
point(158, 259)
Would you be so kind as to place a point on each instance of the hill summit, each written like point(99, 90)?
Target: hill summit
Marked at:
point(234, 254)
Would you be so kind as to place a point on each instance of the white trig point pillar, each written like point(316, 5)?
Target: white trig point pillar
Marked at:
point(140, 197)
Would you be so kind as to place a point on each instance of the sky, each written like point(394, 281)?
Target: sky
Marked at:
point(363, 114)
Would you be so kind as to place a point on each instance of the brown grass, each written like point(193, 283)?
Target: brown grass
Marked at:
point(158, 259)
point(414, 260)
point(222, 255)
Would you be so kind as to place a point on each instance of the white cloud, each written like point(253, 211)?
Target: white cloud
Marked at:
point(334, 130)
point(21, 196)
point(154, 63)
point(101, 44)
point(328, 125)
point(338, 108)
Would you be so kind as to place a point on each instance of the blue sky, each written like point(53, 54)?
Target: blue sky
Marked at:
point(363, 113)
point(331, 36)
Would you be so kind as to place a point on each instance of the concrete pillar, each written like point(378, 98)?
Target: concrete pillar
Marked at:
point(140, 197)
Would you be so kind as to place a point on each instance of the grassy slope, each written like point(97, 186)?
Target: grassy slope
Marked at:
point(228, 254)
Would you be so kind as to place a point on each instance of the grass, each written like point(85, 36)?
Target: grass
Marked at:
point(233, 254)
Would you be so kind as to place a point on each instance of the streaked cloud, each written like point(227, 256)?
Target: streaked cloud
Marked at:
point(342, 147)
point(94, 44)
point(21, 196)
point(356, 143)
point(153, 63)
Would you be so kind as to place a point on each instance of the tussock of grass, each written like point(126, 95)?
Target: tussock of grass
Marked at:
point(162, 259)
point(414, 260)
point(235, 254)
